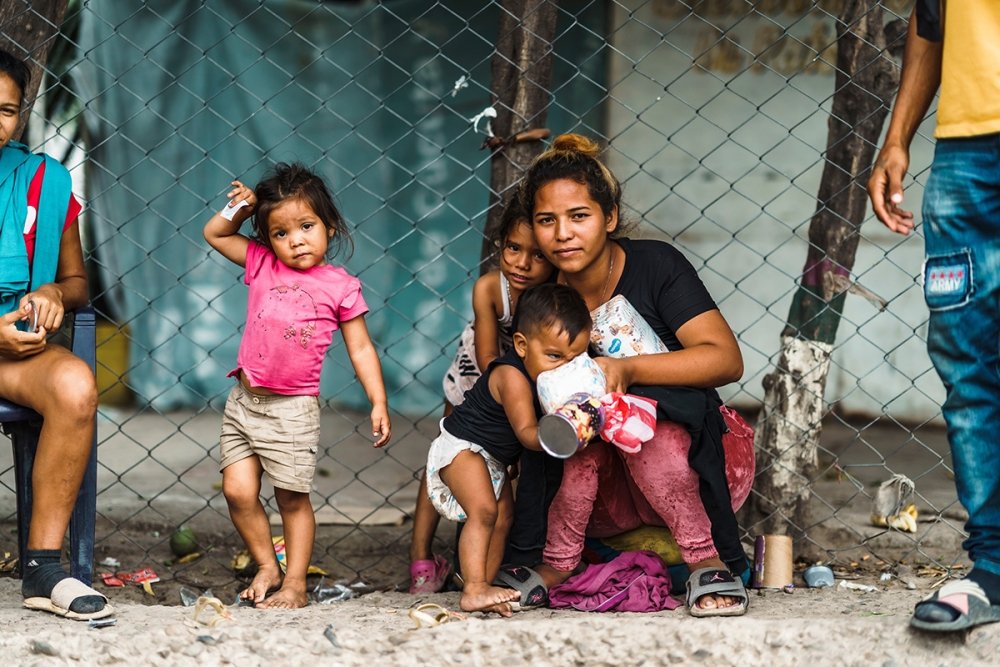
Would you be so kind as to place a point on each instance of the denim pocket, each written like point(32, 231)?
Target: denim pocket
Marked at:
point(948, 280)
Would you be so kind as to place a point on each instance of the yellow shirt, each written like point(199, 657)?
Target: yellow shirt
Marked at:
point(969, 104)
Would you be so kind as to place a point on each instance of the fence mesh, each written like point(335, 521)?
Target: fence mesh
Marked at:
point(714, 115)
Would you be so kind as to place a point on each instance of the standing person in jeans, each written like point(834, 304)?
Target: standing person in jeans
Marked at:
point(961, 210)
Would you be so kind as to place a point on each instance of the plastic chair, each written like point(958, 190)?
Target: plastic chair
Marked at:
point(23, 426)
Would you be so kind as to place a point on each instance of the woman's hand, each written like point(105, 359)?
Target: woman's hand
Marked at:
point(617, 373)
point(15, 344)
point(48, 301)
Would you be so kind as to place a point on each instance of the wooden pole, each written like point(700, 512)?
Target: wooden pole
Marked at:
point(790, 423)
point(522, 74)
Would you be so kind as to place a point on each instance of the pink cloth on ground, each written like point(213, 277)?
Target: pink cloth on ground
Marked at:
point(605, 492)
point(632, 581)
point(291, 317)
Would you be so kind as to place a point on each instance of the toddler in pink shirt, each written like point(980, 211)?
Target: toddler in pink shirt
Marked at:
point(271, 421)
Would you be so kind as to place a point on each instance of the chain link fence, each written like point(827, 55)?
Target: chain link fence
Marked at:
point(714, 114)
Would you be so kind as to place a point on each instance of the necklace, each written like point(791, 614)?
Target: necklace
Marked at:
point(607, 281)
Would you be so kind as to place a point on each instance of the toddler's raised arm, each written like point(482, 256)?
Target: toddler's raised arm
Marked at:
point(222, 229)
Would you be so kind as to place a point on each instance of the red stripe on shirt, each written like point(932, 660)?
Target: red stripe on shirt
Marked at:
point(34, 194)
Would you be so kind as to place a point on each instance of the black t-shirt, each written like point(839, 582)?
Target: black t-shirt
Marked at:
point(662, 286)
point(480, 419)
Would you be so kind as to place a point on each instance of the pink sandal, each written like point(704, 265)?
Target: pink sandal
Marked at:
point(428, 576)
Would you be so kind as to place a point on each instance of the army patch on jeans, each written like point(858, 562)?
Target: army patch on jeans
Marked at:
point(948, 280)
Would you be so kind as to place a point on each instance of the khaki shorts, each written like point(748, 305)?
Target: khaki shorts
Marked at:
point(281, 431)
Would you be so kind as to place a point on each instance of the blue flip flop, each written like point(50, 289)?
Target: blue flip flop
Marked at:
point(963, 596)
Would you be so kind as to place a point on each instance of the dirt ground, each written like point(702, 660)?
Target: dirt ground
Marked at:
point(829, 626)
point(809, 626)
point(156, 474)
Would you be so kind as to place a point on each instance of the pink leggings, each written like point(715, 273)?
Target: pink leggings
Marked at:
point(606, 492)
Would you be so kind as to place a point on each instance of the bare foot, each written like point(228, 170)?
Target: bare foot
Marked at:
point(287, 598)
point(713, 601)
point(484, 597)
point(266, 581)
point(502, 609)
point(551, 576)
point(716, 602)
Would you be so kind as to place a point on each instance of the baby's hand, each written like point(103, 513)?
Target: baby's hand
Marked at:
point(381, 429)
point(239, 194)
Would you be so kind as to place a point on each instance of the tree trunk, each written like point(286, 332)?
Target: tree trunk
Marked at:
point(790, 423)
point(522, 72)
point(28, 29)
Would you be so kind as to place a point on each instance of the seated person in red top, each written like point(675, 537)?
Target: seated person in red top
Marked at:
point(41, 277)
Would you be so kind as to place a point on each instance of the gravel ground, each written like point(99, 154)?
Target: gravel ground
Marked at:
point(832, 626)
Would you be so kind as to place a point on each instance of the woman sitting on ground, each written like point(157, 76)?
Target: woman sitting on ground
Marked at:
point(681, 478)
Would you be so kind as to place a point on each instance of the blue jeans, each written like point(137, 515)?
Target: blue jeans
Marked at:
point(962, 289)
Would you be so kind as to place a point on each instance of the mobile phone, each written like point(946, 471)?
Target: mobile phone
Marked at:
point(24, 326)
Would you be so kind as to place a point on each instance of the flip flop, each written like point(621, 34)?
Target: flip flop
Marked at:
point(428, 576)
point(431, 615)
point(63, 595)
point(712, 581)
point(219, 611)
point(964, 596)
point(527, 582)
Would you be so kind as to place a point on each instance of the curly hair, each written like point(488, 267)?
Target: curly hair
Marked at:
point(513, 213)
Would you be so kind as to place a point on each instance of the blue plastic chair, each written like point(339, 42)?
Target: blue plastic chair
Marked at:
point(23, 426)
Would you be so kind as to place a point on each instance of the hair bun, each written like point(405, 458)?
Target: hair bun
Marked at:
point(575, 143)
